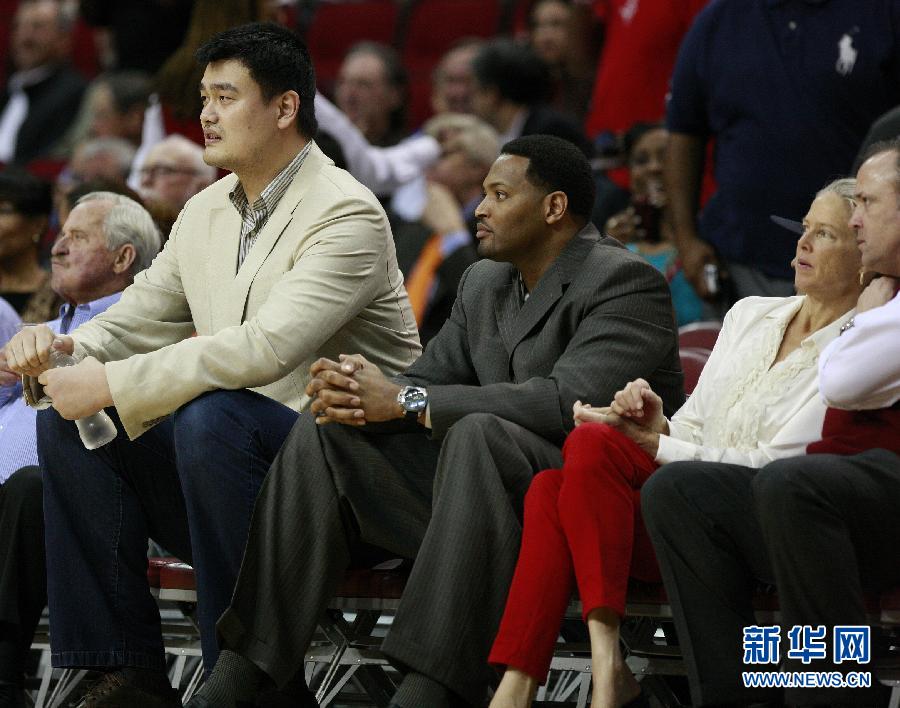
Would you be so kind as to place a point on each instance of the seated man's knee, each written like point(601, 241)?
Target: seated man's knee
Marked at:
point(779, 489)
point(474, 426)
point(661, 493)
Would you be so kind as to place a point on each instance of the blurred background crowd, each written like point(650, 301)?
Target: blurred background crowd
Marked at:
point(418, 96)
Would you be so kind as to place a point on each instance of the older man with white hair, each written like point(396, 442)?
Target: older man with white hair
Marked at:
point(107, 239)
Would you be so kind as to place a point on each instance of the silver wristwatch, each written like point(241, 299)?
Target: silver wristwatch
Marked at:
point(413, 400)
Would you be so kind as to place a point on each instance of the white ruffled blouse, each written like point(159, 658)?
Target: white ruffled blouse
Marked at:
point(744, 410)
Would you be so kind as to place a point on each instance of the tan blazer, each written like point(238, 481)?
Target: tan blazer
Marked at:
point(321, 280)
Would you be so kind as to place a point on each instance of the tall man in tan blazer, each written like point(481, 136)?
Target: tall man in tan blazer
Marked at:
point(285, 261)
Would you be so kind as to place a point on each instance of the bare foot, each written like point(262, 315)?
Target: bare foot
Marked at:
point(516, 690)
point(613, 685)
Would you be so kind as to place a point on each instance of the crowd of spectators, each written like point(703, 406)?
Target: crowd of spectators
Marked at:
point(682, 127)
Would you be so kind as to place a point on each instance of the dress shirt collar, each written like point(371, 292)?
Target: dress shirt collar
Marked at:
point(74, 315)
point(819, 339)
point(274, 191)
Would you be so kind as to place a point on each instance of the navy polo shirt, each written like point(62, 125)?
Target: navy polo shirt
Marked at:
point(788, 90)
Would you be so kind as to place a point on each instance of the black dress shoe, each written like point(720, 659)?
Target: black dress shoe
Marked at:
point(114, 690)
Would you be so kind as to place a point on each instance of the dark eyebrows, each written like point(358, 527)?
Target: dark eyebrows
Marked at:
point(221, 86)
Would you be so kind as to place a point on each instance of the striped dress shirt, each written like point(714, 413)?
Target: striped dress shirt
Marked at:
point(254, 216)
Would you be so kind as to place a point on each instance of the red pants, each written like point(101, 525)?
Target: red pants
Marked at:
point(582, 523)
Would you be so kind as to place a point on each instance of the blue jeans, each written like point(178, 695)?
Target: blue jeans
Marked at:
point(189, 483)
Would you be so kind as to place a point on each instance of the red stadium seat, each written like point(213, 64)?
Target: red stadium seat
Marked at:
point(336, 27)
point(699, 335)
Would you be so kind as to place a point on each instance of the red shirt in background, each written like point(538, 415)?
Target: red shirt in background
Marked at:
point(641, 42)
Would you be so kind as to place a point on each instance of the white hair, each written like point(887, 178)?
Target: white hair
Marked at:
point(128, 222)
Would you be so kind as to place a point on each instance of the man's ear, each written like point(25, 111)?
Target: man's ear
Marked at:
point(556, 204)
point(125, 256)
point(288, 105)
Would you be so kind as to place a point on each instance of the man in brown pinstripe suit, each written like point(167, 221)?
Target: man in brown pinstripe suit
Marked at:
point(433, 465)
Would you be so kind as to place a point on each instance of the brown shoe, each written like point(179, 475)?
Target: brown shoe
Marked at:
point(114, 690)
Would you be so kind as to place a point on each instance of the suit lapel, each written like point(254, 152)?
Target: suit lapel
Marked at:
point(268, 237)
point(506, 308)
point(550, 287)
point(222, 252)
point(539, 302)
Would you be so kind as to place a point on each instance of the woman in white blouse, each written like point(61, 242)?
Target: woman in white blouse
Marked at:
point(757, 400)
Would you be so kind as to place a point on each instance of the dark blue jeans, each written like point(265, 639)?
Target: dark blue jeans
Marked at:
point(189, 483)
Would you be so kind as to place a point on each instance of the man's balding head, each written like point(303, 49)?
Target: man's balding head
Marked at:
point(876, 217)
point(174, 171)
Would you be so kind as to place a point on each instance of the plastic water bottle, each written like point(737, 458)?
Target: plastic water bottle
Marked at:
point(95, 430)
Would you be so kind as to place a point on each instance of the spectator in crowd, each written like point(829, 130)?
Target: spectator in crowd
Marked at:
point(43, 93)
point(641, 225)
point(99, 158)
point(433, 252)
point(512, 85)
point(267, 288)
point(106, 159)
point(383, 170)
point(757, 400)
point(172, 173)
point(469, 147)
point(453, 81)
point(117, 104)
point(640, 44)
point(106, 240)
point(551, 26)
point(822, 526)
point(747, 94)
point(433, 217)
point(113, 107)
point(371, 90)
point(25, 206)
point(495, 388)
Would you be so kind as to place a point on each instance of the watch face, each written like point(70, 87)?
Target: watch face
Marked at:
point(413, 399)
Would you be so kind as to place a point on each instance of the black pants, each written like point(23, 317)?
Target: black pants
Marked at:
point(455, 507)
point(23, 573)
point(821, 527)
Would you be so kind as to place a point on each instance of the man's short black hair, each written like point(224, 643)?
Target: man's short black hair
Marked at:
point(28, 195)
point(518, 74)
point(555, 164)
point(277, 60)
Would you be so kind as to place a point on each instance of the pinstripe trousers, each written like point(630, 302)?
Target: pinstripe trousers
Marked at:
point(454, 506)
